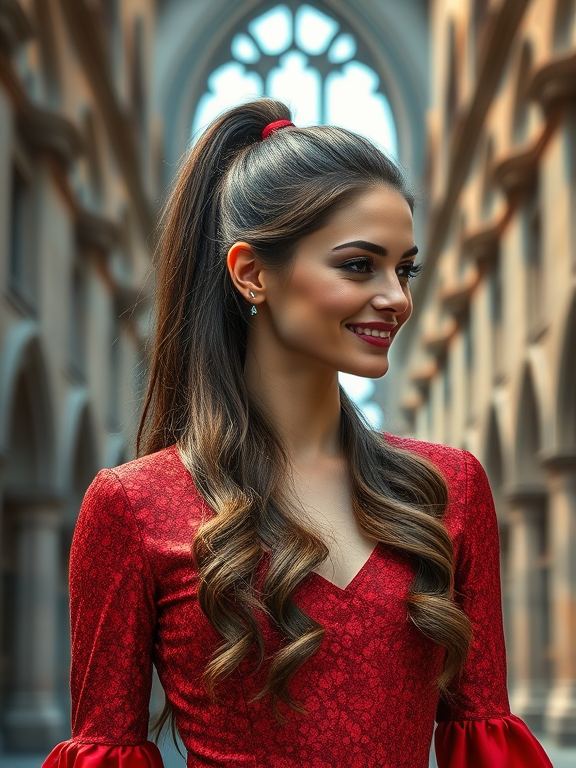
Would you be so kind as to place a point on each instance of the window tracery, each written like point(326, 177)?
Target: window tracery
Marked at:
point(298, 53)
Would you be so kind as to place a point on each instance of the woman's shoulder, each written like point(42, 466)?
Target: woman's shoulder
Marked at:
point(158, 479)
point(471, 507)
point(464, 474)
point(446, 457)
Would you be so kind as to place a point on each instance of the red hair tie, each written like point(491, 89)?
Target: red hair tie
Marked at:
point(271, 127)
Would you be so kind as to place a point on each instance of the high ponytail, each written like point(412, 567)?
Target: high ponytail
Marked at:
point(235, 187)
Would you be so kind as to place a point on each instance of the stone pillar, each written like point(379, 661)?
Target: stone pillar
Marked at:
point(34, 722)
point(527, 654)
point(2, 627)
point(560, 721)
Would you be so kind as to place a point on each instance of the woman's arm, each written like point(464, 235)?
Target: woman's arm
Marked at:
point(476, 729)
point(113, 618)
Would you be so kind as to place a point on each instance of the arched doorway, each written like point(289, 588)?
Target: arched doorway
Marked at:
point(30, 553)
point(529, 562)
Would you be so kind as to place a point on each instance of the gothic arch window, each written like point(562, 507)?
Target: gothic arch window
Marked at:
point(298, 53)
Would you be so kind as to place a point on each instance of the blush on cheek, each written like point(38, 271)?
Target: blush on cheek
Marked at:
point(333, 302)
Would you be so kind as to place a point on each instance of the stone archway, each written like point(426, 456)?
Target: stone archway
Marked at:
point(560, 465)
point(528, 561)
point(30, 547)
point(23, 356)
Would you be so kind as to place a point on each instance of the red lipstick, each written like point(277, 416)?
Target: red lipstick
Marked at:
point(377, 341)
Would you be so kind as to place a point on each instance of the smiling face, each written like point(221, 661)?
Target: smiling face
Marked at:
point(347, 293)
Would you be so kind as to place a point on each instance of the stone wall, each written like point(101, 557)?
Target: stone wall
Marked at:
point(78, 168)
point(490, 358)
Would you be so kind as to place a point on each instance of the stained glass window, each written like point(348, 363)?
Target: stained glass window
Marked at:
point(301, 55)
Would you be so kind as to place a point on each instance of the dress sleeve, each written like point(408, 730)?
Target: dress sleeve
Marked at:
point(112, 619)
point(476, 729)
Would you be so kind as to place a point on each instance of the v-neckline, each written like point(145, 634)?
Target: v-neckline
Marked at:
point(355, 579)
point(348, 589)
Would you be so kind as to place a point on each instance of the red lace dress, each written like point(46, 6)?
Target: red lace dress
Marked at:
point(368, 690)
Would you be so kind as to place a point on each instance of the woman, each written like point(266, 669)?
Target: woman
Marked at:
point(311, 593)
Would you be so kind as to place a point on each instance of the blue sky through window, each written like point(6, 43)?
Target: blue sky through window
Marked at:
point(298, 41)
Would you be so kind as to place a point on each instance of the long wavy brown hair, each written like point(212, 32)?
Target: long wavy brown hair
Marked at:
point(235, 187)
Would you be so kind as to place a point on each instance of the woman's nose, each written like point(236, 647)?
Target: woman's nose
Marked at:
point(391, 297)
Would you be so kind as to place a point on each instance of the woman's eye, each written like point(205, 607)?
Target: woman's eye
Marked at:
point(409, 270)
point(358, 266)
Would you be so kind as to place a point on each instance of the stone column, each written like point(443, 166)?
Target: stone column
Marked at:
point(2, 623)
point(560, 721)
point(34, 722)
point(527, 654)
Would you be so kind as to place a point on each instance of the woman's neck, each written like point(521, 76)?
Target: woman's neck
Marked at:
point(302, 402)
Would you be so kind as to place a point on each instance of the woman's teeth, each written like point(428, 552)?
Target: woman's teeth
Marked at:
point(370, 332)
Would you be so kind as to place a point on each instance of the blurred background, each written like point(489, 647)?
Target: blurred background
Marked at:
point(99, 99)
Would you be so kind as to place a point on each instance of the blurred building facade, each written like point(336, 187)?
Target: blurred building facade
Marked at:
point(486, 363)
point(489, 362)
point(78, 149)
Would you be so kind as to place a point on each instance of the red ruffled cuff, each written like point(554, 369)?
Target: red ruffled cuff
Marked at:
point(499, 742)
point(72, 754)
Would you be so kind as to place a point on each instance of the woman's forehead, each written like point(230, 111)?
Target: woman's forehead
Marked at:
point(381, 216)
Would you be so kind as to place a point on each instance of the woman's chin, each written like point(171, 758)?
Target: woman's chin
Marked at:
point(370, 370)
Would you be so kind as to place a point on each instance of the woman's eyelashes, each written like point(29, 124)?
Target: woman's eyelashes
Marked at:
point(365, 266)
point(409, 270)
point(362, 266)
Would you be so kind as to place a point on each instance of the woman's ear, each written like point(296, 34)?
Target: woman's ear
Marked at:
point(245, 268)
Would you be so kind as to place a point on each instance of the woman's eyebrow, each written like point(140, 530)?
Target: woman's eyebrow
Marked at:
point(373, 248)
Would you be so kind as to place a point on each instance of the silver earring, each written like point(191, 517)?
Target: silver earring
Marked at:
point(253, 311)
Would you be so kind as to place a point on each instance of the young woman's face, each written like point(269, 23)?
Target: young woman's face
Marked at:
point(347, 294)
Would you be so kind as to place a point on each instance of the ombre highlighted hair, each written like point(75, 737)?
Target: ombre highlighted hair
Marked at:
point(235, 187)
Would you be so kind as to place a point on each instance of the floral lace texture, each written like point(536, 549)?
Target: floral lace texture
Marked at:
point(369, 689)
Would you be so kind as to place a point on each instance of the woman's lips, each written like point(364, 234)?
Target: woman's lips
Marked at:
point(377, 341)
